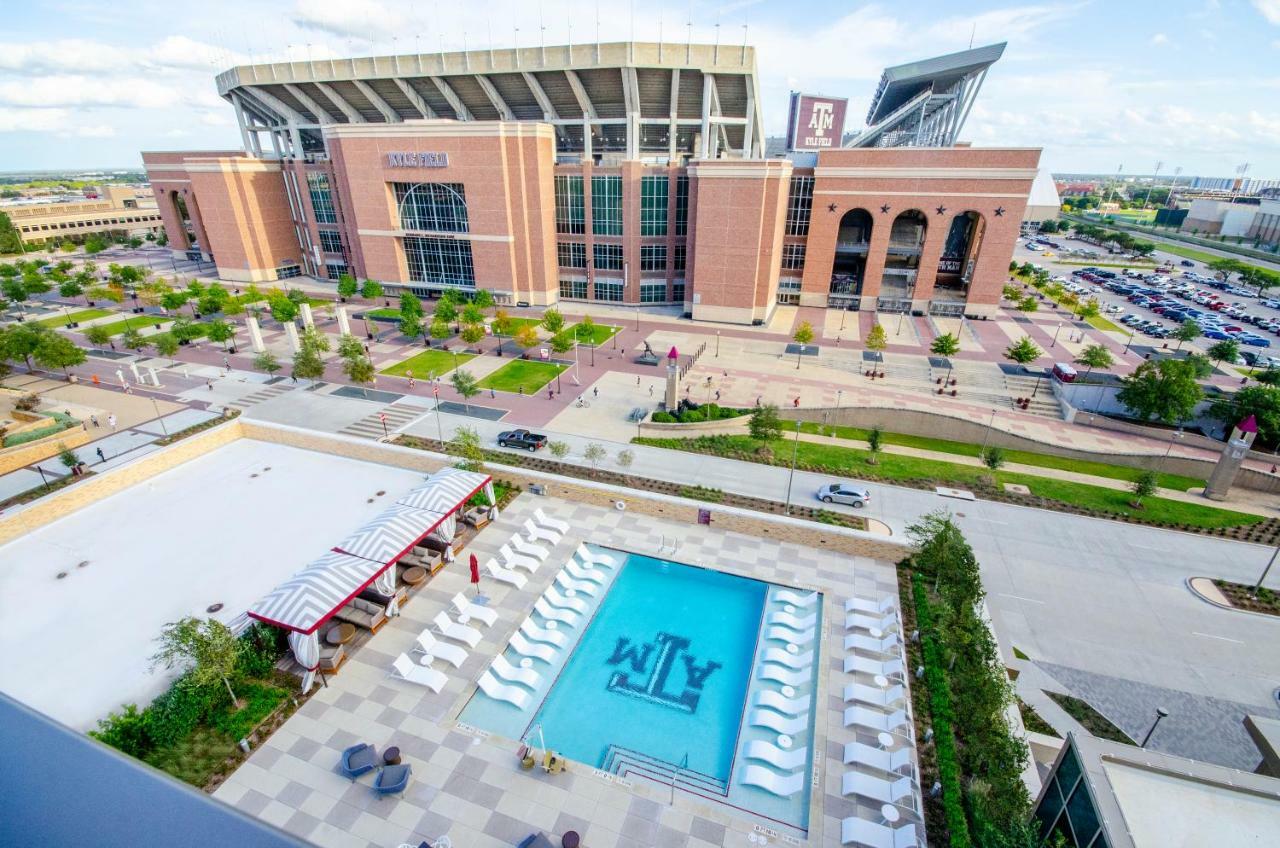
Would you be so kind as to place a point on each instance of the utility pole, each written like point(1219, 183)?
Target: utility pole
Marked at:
point(795, 448)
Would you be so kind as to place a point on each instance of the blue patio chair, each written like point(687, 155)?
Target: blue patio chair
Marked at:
point(358, 759)
point(392, 779)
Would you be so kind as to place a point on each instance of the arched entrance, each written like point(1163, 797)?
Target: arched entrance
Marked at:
point(902, 259)
point(849, 266)
point(959, 255)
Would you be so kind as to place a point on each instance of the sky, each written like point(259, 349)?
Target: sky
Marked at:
point(1099, 84)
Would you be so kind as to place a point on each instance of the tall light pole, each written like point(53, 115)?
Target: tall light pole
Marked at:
point(1253, 593)
point(717, 344)
point(1055, 335)
point(987, 434)
point(795, 447)
point(1161, 712)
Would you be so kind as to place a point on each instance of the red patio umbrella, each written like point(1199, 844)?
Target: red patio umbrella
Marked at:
point(475, 573)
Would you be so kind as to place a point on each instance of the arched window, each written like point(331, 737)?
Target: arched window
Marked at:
point(850, 263)
point(959, 253)
point(902, 259)
point(432, 207)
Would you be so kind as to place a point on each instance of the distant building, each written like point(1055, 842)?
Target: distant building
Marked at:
point(126, 210)
point(1244, 217)
point(1076, 189)
point(1043, 204)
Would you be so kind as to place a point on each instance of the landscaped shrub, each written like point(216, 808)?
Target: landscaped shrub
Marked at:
point(663, 418)
point(259, 700)
point(260, 650)
point(176, 713)
point(125, 731)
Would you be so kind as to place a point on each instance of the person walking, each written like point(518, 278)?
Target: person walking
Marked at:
point(717, 395)
point(637, 379)
point(94, 419)
point(796, 403)
point(651, 391)
point(595, 392)
point(550, 393)
point(102, 457)
point(226, 363)
point(111, 421)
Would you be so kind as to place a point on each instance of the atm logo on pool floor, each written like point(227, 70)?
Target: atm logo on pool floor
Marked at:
point(649, 667)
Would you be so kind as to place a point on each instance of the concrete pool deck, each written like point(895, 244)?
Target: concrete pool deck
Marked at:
point(219, 528)
point(468, 784)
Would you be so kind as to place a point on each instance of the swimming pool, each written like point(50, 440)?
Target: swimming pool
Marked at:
point(657, 682)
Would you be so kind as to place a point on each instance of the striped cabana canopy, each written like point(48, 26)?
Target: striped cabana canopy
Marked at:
point(390, 534)
point(446, 490)
point(307, 599)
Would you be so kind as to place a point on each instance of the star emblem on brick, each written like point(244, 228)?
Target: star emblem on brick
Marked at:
point(884, 210)
point(999, 211)
point(942, 210)
point(831, 207)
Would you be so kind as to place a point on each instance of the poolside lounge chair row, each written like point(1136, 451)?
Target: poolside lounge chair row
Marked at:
point(526, 554)
point(427, 644)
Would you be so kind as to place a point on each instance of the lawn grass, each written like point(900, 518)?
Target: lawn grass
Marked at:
point(428, 362)
point(600, 333)
point(1092, 720)
point(522, 374)
point(138, 322)
point(517, 324)
point(382, 312)
point(1197, 255)
point(82, 315)
point(1100, 323)
point(892, 468)
point(1041, 460)
point(1032, 721)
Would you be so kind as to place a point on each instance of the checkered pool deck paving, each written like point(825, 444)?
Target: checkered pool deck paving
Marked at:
point(469, 785)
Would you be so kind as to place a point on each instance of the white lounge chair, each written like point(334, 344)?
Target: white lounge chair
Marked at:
point(534, 533)
point(783, 786)
point(578, 572)
point(591, 557)
point(855, 753)
point(795, 599)
point(582, 586)
point(500, 691)
point(473, 610)
point(856, 831)
point(783, 704)
point(792, 621)
point(505, 575)
point(540, 634)
point(502, 667)
point(511, 559)
point(553, 597)
point(785, 676)
point(862, 621)
point(791, 637)
point(874, 720)
point(867, 665)
point(800, 661)
point(406, 669)
point(429, 644)
point(778, 722)
point(550, 613)
point(779, 758)
point(547, 521)
point(887, 645)
point(870, 786)
point(451, 629)
point(874, 695)
point(880, 606)
point(526, 648)
point(529, 549)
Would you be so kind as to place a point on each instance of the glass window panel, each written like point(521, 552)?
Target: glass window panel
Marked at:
point(653, 292)
point(799, 206)
point(432, 207)
point(608, 257)
point(653, 206)
point(653, 257)
point(572, 254)
point(682, 206)
point(606, 205)
point(608, 291)
point(445, 262)
point(321, 197)
point(331, 241)
point(570, 206)
point(679, 257)
point(1083, 816)
point(574, 289)
point(793, 257)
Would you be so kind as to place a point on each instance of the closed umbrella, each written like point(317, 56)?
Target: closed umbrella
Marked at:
point(475, 573)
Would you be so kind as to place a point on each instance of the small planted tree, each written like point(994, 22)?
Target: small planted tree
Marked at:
point(945, 345)
point(466, 385)
point(440, 329)
point(219, 331)
point(349, 347)
point(207, 650)
point(802, 336)
point(594, 454)
point(1028, 304)
point(359, 370)
point(1023, 351)
point(1186, 331)
point(472, 333)
point(585, 330)
point(166, 344)
point(765, 425)
point(876, 341)
point(67, 456)
point(55, 351)
point(97, 335)
point(465, 445)
point(552, 321)
point(347, 286)
point(410, 326)
point(558, 449)
point(993, 457)
point(307, 364)
point(1225, 350)
point(625, 459)
point(1094, 356)
point(526, 337)
point(266, 362)
point(133, 340)
point(875, 443)
point(1144, 485)
point(371, 290)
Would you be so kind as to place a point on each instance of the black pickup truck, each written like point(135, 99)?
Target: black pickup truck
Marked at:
point(521, 439)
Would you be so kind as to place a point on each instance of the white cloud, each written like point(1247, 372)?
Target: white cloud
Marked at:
point(1159, 38)
point(32, 120)
point(77, 90)
point(95, 131)
point(1269, 9)
point(351, 18)
point(74, 55)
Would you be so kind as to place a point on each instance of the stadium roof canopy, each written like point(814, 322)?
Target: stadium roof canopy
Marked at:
point(636, 99)
point(925, 103)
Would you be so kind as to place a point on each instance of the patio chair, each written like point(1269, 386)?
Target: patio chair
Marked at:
point(890, 644)
point(594, 558)
point(540, 534)
point(499, 691)
point(535, 650)
point(358, 759)
point(505, 575)
point(793, 621)
point(783, 704)
point(471, 609)
point(406, 669)
point(784, 786)
point(863, 621)
point(856, 753)
point(785, 676)
point(427, 643)
point(778, 722)
point(550, 613)
point(540, 634)
point(580, 573)
point(450, 629)
point(799, 661)
point(789, 636)
point(392, 780)
point(795, 599)
point(503, 668)
point(759, 749)
point(867, 665)
point(874, 720)
point(856, 831)
point(511, 559)
point(874, 695)
point(881, 606)
point(581, 586)
point(870, 786)
point(545, 520)
point(526, 548)
point(553, 597)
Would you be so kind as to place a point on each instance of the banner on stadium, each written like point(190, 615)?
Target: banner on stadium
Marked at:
point(815, 122)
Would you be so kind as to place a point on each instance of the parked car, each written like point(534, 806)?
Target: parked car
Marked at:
point(521, 439)
point(845, 493)
point(1187, 263)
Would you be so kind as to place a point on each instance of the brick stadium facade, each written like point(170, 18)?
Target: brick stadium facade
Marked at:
point(622, 173)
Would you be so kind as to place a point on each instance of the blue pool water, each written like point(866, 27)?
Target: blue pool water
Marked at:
point(662, 671)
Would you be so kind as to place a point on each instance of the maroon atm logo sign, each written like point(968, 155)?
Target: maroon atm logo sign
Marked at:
point(817, 123)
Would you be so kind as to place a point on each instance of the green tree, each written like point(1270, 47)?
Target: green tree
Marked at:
point(1166, 390)
point(1144, 485)
point(803, 334)
point(219, 331)
point(472, 316)
point(166, 344)
point(526, 337)
point(993, 457)
point(1224, 268)
point(1224, 350)
point(1270, 377)
point(472, 333)
point(10, 238)
point(1186, 331)
point(410, 306)
point(347, 286)
point(483, 299)
point(1088, 309)
point(945, 345)
point(314, 340)
point(266, 361)
point(184, 330)
point(466, 385)
point(875, 443)
point(410, 326)
point(765, 425)
point(446, 312)
point(585, 330)
point(440, 330)
point(466, 446)
point(133, 340)
point(1023, 351)
point(67, 456)
point(92, 245)
point(561, 343)
point(207, 650)
point(173, 300)
point(1094, 356)
point(57, 351)
point(626, 457)
point(552, 321)
point(1262, 402)
point(876, 341)
point(307, 364)
point(371, 290)
point(283, 309)
point(558, 449)
point(594, 454)
point(1028, 303)
point(71, 288)
point(359, 370)
point(349, 347)
point(97, 335)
